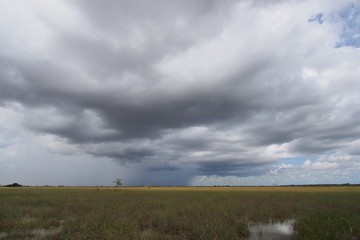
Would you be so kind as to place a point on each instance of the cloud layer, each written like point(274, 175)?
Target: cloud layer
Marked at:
point(194, 88)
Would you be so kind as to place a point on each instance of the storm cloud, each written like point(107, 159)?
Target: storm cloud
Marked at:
point(187, 88)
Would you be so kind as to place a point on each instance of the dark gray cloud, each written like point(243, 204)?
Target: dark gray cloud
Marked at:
point(233, 167)
point(195, 87)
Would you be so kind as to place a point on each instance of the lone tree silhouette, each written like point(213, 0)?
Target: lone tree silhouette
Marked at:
point(117, 182)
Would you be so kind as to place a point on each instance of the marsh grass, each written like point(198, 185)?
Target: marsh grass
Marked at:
point(175, 213)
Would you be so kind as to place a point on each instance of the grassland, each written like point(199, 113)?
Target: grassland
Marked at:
point(176, 213)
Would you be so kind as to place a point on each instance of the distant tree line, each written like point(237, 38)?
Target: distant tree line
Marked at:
point(13, 185)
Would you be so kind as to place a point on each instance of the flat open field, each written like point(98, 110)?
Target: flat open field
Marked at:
point(177, 213)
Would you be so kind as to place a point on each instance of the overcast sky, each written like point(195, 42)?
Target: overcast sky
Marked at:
point(179, 92)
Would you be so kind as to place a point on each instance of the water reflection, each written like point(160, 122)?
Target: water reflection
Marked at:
point(272, 230)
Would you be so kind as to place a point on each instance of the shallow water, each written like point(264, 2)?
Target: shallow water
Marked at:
point(44, 232)
point(37, 234)
point(272, 230)
point(3, 235)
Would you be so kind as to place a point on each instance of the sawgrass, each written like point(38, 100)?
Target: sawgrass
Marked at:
point(176, 212)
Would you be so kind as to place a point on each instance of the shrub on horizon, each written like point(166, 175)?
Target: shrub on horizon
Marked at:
point(13, 185)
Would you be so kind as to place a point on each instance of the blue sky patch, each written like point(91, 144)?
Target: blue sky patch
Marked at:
point(350, 35)
point(297, 161)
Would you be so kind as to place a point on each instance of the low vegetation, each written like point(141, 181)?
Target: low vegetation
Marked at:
point(176, 213)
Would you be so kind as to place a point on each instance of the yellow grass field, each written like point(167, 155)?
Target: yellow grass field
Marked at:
point(176, 212)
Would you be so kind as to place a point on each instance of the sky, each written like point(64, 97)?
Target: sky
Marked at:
point(179, 92)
